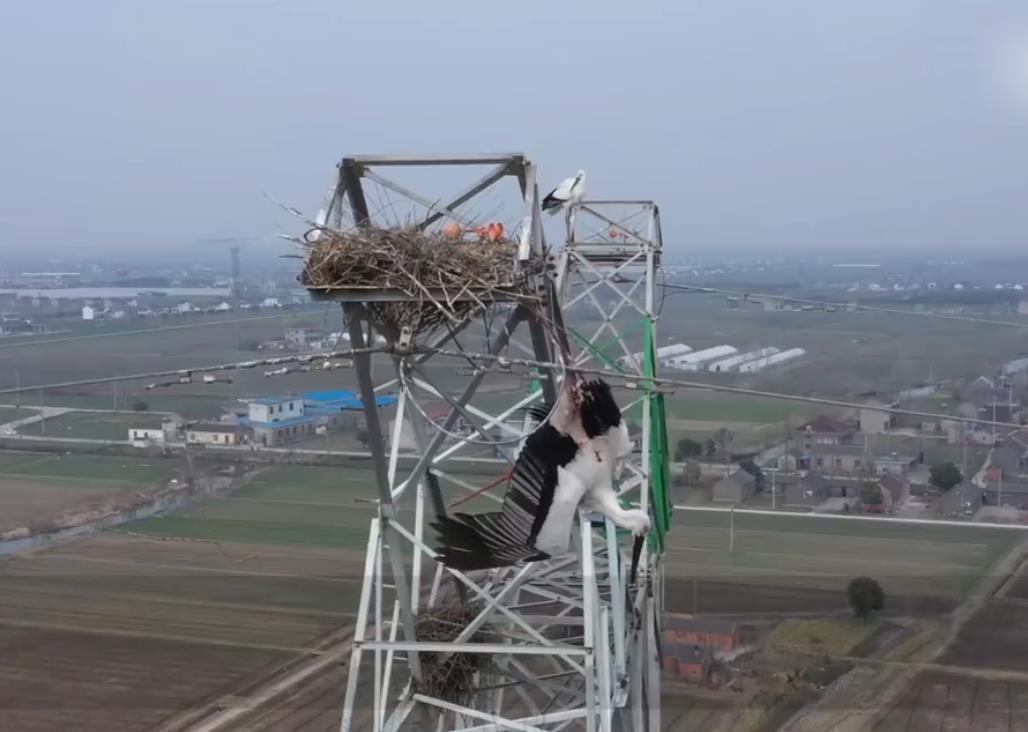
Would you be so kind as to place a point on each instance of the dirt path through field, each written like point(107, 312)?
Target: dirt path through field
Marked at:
point(860, 699)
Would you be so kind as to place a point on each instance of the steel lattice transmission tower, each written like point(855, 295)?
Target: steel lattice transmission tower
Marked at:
point(607, 279)
point(571, 645)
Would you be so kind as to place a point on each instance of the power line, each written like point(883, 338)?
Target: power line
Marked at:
point(636, 380)
point(274, 361)
point(630, 379)
point(851, 306)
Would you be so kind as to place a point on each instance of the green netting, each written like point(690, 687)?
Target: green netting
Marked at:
point(660, 473)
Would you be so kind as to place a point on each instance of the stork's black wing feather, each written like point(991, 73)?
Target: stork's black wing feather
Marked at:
point(505, 537)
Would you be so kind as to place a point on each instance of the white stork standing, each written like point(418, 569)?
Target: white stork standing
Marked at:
point(566, 461)
point(571, 190)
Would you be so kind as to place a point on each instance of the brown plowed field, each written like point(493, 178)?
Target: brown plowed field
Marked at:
point(123, 633)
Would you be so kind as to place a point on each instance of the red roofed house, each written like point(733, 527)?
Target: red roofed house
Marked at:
point(709, 632)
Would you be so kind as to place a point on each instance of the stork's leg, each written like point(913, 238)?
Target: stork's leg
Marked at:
point(604, 499)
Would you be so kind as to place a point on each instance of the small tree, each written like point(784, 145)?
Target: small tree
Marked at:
point(865, 597)
point(944, 476)
point(871, 493)
point(722, 439)
point(140, 406)
point(758, 475)
point(692, 473)
point(363, 437)
point(711, 447)
point(686, 449)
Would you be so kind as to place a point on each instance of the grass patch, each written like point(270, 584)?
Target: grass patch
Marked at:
point(711, 407)
point(88, 425)
point(10, 414)
point(837, 636)
point(10, 461)
point(254, 531)
point(790, 551)
point(96, 467)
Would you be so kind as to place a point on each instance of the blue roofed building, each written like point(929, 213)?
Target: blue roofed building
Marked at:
point(279, 420)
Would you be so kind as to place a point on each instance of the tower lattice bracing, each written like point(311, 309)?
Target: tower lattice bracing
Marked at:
point(567, 643)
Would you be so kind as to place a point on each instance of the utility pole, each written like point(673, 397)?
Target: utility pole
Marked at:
point(994, 420)
point(963, 467)
point(774, 500)
point(731, 530)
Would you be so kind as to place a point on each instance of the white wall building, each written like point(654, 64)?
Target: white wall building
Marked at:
point(665, 352)
point(275, 409)
point(696, 360)
point(779, 358)
point(143, 436)
point(733, 362)
point(88, 312)
point(214, 434)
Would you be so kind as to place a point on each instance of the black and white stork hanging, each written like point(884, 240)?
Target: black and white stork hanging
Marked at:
point(566, 462)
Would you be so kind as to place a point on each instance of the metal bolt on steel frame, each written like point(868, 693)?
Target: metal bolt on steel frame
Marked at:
point(566, 635)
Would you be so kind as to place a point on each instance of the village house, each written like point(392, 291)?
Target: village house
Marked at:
point(723, 635)
point(147, 432)
point(810, 490)
point(1005, 493)
point(301, 337)
point(875, 421)
point(735, 488)
point(895, 464)
point(1011, 457)
point(831, 459)
point(280, 420)
point(684, 661)
point(215, 433)
point(824, 430)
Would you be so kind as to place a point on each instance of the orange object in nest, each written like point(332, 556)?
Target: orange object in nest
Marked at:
point(452, 230)
point(492, 232)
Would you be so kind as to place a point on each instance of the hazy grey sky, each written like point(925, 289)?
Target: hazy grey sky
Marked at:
point(754, 123)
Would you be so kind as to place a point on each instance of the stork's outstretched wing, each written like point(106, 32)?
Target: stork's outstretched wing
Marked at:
point(505, 537)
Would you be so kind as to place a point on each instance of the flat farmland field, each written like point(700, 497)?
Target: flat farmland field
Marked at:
point(10, 414)
point(291, 505)
point(37, 488)
point(940, 701)
point(87, 425)
point(122, 469)
point(802, 563)
point(127, 633)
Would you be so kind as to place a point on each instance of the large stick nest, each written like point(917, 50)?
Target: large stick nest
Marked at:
point(456, 678)
point(442, 279)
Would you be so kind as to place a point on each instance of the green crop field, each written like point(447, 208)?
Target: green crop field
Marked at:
point(297, 505)
point(715, 407)
point(90, 467)
point(825, 553)
point(291, 505)
point(10, 462)
point(10, 414)
point(87, 425)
